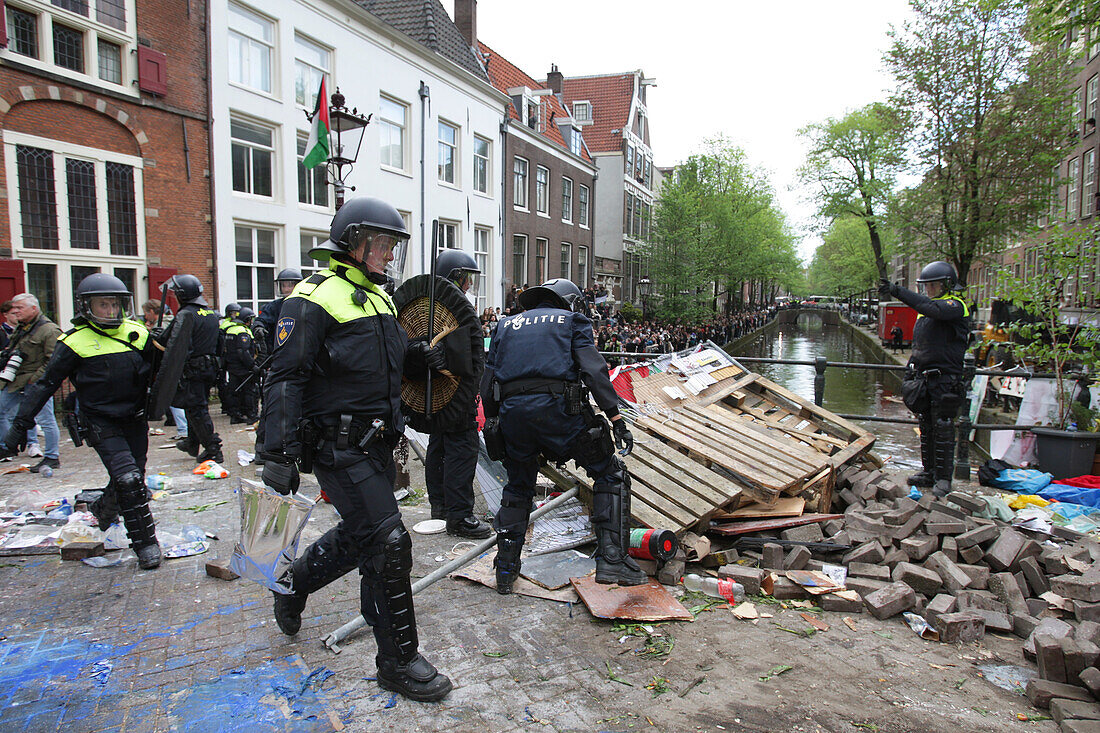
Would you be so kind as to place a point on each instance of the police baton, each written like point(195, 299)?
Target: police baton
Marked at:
point(259, 369)
point(431, 317)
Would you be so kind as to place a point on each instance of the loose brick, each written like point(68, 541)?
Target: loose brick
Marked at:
point(1054, 561)
point(979, 575)
point(938, 606)
point(919, 547)
point(832, 526)
point(1047, 627)
point(1074, 659)
point(1091, 678)
point(890, 601)
point(968, 502)
point(1086, 611)
point(784, 589)
point(961, 627)
point(908, 529)
point(1041, 692)
point(1078, 587)
point(1023, 624)
point(220, 571)
point(796, 559)
point(750, 578)
point(905, 511)
point(978, 536)
point(952, 526)
point(773, 556)
point(805, 533)
point(949, 548)
point(842, 603)
point(1005, 587)
point(1080, 726)
point(1036, 578)
point(869, 552)
point(954, 579)
point(1062, 710)
point(919, 579)
point(893, 557)
point(1005, 549)
point(995, 621)
point(980, 599)
point(671, 572)
point(868, 570)
point(1088, 631)
point(865, 586)
point(81, 550)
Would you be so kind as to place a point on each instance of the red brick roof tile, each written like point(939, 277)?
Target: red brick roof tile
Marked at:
point(504, 75)
point(610, 96)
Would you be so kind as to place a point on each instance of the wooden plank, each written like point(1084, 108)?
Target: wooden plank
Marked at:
point(813, 411)
point(685, 509)
point(860, 446)
point(787, 506)
point(677, 463)
point(820, 447)
point(728, 390)
point(746, 429)
point(685, 478)
point(752, 453)
point(737, 467)
point(763, 525)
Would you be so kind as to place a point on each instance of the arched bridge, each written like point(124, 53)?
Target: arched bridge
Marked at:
point(794, 315)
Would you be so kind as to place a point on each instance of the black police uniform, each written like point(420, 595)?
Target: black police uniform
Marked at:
point(337, 367)
point(933, 386)
point(264, 325)
point(110, 369)
point(241, 363)
point(199, 375)
point(451, 459)
point(533, 357)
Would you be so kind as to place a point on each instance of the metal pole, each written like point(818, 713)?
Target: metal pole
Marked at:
point(820, 365)
point(962, 455)
point(333, 640)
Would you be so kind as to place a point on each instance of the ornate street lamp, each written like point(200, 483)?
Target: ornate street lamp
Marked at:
point(342, 121)
point(643, 290)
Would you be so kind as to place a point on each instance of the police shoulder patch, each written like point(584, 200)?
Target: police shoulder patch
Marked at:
point(282, 330)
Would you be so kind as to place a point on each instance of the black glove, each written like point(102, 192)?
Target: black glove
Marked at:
point(887, 289)
point(280, 475)
point(435, 357)
point(15, 442)
point(624, 441)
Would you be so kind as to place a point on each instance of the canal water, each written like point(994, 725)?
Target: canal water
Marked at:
point(848, 391)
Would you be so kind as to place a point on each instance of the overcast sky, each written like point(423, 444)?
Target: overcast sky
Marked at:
point(755, 72)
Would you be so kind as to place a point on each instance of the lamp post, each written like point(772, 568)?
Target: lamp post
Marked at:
point(342, 121)
point(643, 291)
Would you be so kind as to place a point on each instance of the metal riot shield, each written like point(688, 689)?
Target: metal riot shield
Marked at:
point(271, 526)
point(172, 362)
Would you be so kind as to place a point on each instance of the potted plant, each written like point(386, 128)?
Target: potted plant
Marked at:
point(1058, 337)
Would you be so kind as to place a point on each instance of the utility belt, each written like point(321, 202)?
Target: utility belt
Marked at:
point(201, 365)
point(84, 429)
point(576, 396)
point(351, 432)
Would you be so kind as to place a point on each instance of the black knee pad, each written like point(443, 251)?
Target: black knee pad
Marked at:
point(945, 429)
point(397, 559)
point(131, 486)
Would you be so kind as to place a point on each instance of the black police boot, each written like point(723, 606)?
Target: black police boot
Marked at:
point(138, 519)
point(926, 477)
point(330, 557)
point(945, 457)
point(612, 500)
point(188, 445)
point(439, 513)
point(507, 562)
point(288, 611)
point(470, 527)
point(105, 508)
point(211, 454)
point(416, 679)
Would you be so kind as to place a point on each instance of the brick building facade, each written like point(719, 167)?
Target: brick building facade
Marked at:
point(105, 155)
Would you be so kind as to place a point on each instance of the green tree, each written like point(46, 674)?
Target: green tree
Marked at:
point(990, 114)
point(852, 167)
point(842, 263)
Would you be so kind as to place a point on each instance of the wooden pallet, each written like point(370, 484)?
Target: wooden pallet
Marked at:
point(669, 490)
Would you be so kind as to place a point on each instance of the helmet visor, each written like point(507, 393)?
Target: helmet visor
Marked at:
point(395, 268)
point(106, 311)
point(468, 277)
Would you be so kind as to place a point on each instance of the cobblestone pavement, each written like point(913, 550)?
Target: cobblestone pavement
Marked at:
point(118, 649)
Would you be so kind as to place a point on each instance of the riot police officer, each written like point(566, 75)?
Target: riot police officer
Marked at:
point(333, 402)
point(453, 445)
point(264, 327)
point(224, 397)
point(200, 372)
point(538, 361)
point(933, 387)
point(240, 362)
point(108, 357)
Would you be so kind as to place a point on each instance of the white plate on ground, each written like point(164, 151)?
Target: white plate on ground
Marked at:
point(430, 526)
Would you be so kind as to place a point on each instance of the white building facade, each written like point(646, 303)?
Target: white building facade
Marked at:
point(431, 148)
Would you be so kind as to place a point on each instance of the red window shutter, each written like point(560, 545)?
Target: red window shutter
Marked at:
point(157, 277)
point(3, 26)
point(152, 71)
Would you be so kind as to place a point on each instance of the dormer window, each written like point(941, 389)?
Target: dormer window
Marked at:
point(528, 106)
point(582, 111)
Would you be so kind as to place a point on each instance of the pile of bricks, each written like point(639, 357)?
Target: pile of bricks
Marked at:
point(965, 574)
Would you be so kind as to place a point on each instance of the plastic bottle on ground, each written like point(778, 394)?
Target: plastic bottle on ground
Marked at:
point(45, 471)
point(715, 587)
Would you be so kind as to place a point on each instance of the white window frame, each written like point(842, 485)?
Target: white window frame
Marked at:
point(455, 150)
point(255, 265)
point(309, 66)
point(93, 32)
point(1078, 107)
point(483, 165)
point(586, 105)
point(255, 146)
point(450, 235)
point(567, 199)
point(542, 259)
point(542, 191)
point(576, 141)
point(258, 43)
point(1088, 185)
point(519, 275)
point(584, 199)
point(483, 245)
point(1092, 89)
point(582, 266)
point(565, 264)
point(1073, 203)
point(307, 264)
point(521, 183)
point(66, 256)
point(311, 180)
point(402, 128)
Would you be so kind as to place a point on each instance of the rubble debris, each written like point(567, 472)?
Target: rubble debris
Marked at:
point(81, 550)
point(648, 602)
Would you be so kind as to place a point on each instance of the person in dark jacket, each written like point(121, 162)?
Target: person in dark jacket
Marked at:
point(531, 391)
point(264, 326)
point(241, 363)
point(933, 387)
point(201, 370)
point(108, 358)
point(452, 447)
point(333, 402)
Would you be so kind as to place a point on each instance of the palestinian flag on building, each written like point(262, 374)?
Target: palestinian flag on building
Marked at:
point(318, 147)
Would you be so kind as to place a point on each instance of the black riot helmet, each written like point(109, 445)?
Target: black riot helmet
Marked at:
point(563, 293)
point(365, 216)
point(458, 267)
point(103, 300)
point(232, 309)
point(289, 275)
point(244, 315)
point(188, 289)
point(937, 271)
